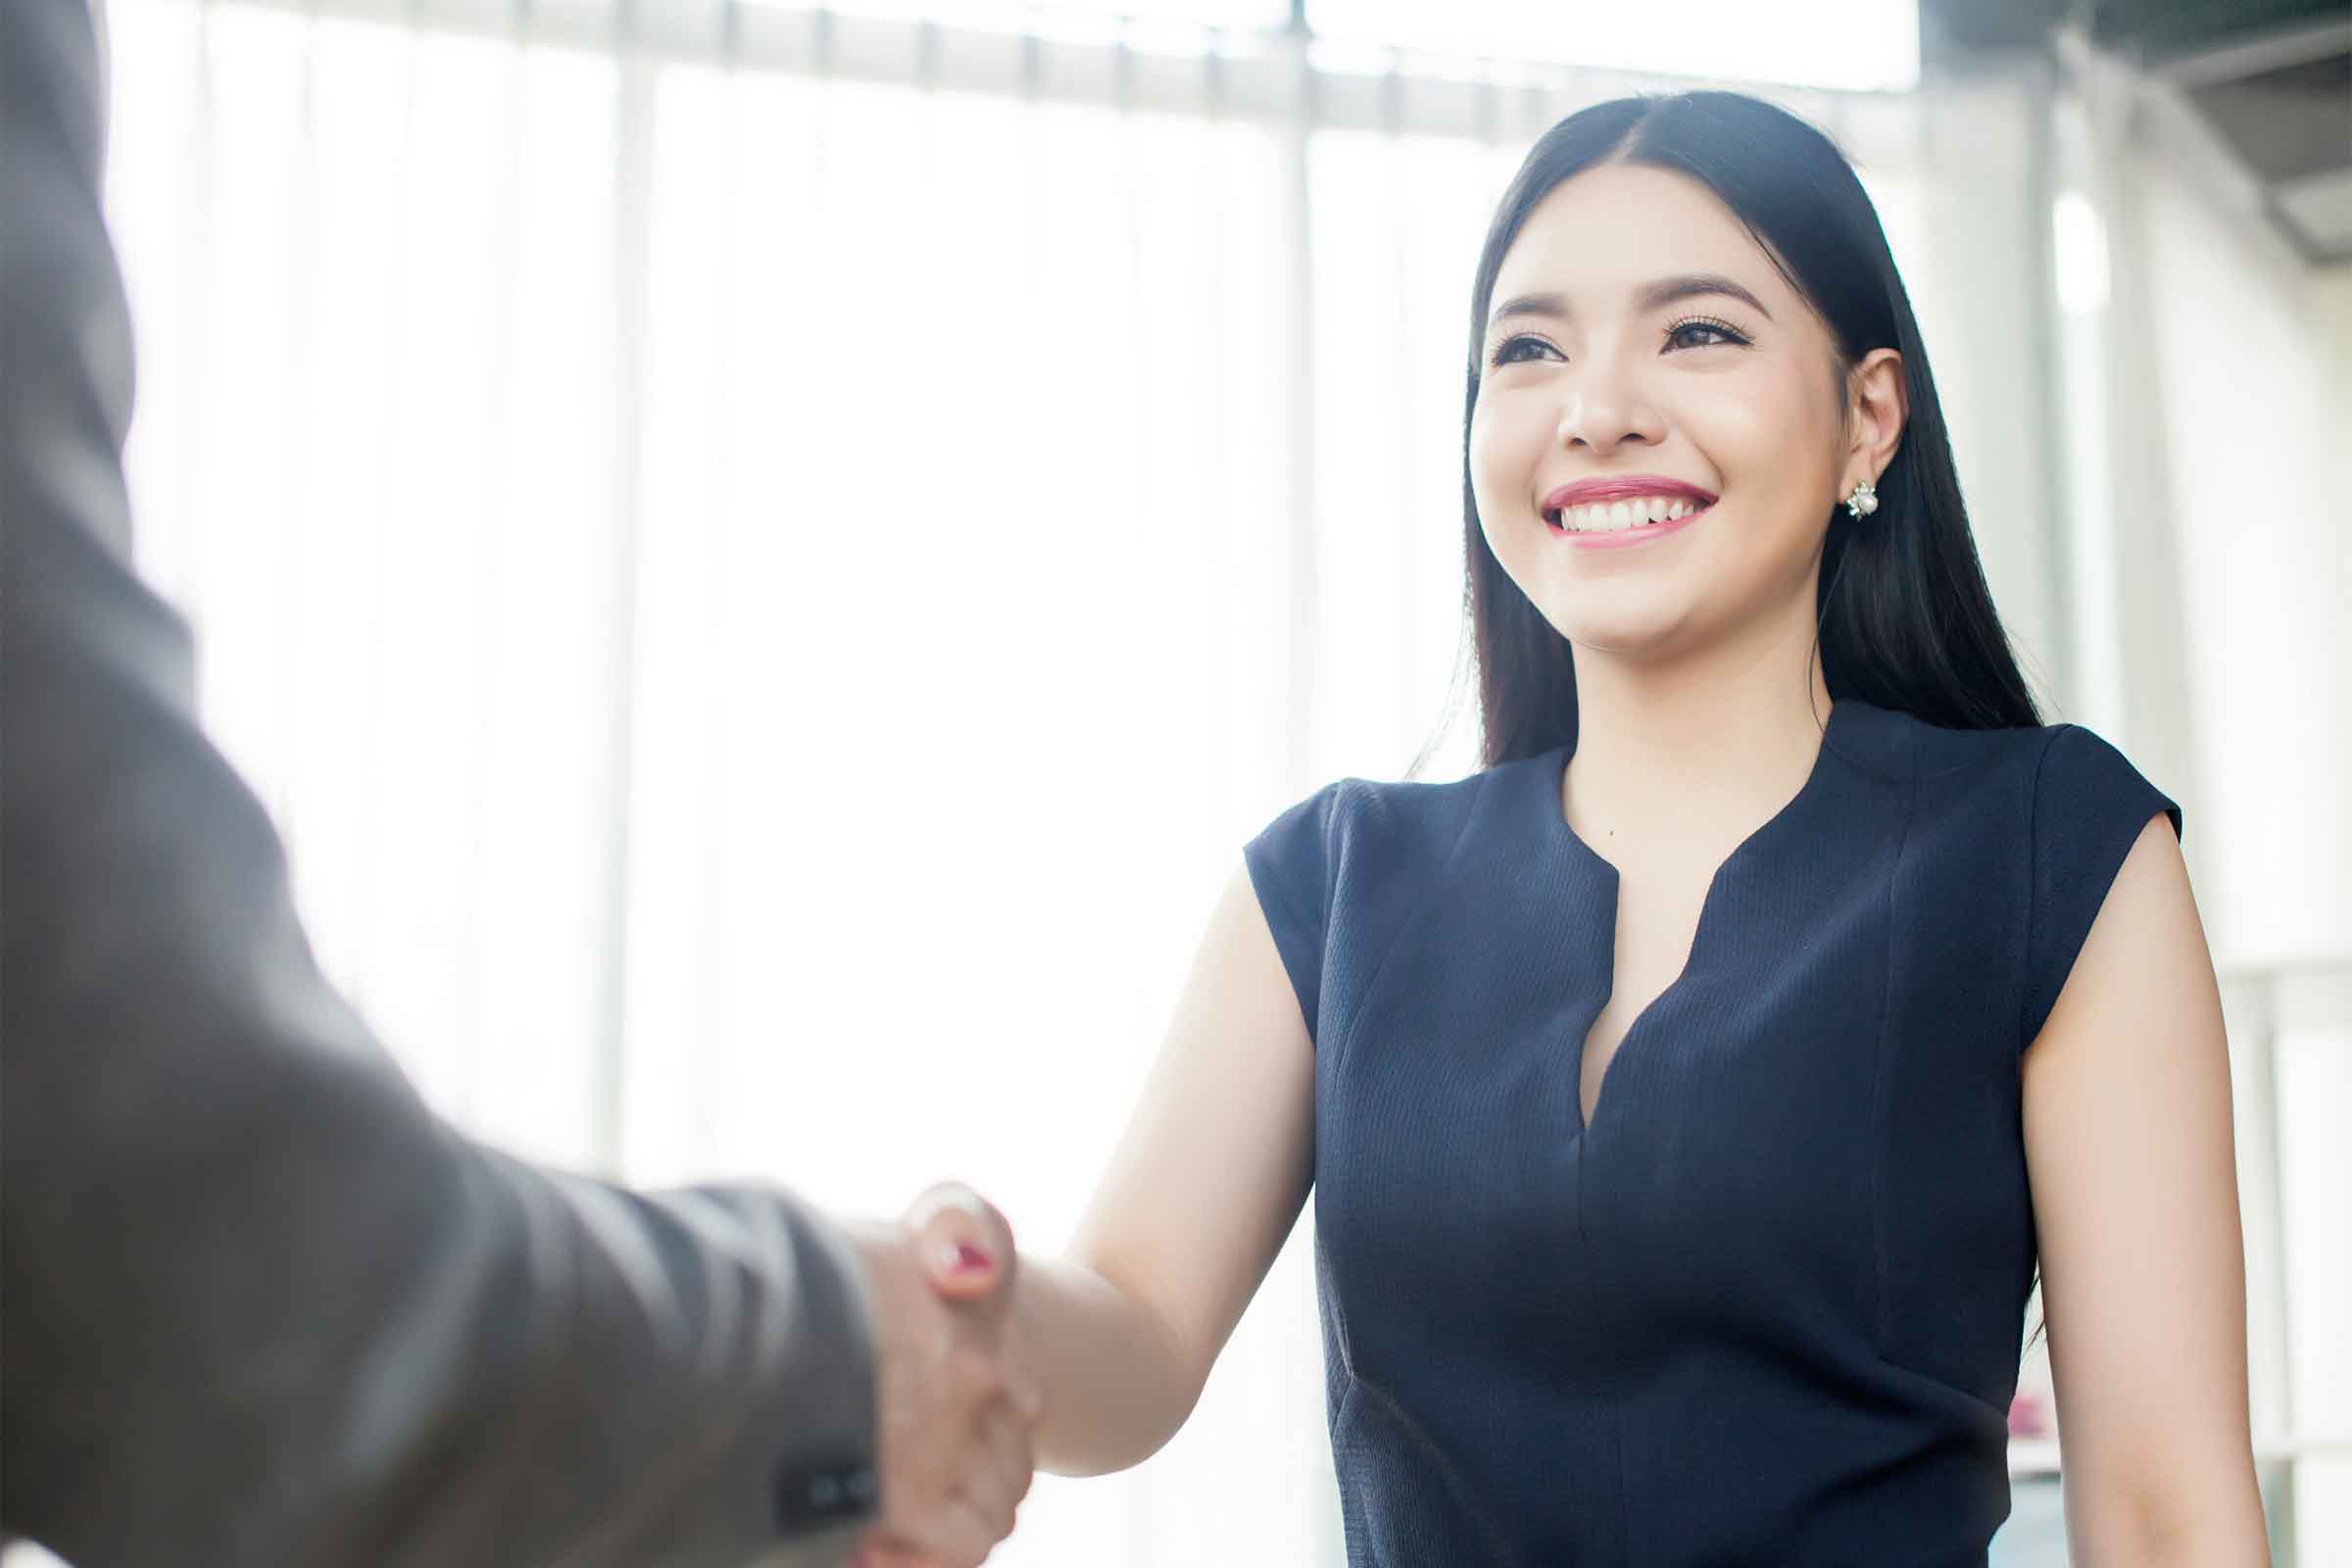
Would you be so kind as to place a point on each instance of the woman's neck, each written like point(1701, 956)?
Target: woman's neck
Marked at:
point(1700, 746)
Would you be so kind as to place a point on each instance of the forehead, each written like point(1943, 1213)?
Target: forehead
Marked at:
point(1599, 235)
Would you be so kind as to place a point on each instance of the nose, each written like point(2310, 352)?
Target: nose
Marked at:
point(1606, 409)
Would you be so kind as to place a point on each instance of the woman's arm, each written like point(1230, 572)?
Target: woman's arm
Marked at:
point(2129, 1145)
point(1207, 1180)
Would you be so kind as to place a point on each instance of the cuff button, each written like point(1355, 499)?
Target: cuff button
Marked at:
point(813, 1498)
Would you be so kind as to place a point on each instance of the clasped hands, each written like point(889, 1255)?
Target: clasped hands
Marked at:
point(959, 1395)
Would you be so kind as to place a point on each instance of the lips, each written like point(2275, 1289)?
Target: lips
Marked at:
point(1625, 487)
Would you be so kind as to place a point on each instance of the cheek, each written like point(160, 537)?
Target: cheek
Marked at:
point(1742, 436)
point(1772, 456)
point(1504, 443)
point(1761, 437)
point(1489, 452)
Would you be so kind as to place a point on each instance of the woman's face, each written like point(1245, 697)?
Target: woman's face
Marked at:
point(1606, 379)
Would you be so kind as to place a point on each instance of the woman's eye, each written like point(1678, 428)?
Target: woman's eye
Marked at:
point(1505, 351)
point(1698, 332)
point(1721, 332)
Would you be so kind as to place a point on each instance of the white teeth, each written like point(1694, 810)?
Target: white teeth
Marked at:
point(1611, 515)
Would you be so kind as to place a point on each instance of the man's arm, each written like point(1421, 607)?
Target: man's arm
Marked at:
point(261, 1305)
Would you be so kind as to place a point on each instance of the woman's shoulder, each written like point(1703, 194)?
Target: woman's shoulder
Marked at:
point(1941, 746)
point(2043, 815)
point(1343, 868)
point(2032, 774)
point(1355, 817)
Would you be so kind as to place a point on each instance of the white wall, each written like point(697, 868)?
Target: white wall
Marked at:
point(2232, 429)
point(2251, 423)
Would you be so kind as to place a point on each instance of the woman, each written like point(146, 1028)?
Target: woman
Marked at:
point(1685, 1094)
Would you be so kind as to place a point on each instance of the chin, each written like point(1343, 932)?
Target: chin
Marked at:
point(1617, 630)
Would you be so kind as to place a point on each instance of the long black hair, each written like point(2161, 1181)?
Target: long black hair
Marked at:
point(1906, 620)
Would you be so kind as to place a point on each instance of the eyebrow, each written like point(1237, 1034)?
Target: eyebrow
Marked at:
point(1648, 297)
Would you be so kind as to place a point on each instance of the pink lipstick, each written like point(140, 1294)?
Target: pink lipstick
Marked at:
point(1623, 487)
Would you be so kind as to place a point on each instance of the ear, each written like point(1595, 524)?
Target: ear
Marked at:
point(1877, 405)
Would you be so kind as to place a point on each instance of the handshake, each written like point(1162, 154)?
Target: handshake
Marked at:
point(959, 1396)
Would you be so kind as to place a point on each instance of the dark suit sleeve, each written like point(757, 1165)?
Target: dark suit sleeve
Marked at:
point(261, 1305)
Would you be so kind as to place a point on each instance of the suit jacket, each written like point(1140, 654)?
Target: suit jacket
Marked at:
point(261, 1305)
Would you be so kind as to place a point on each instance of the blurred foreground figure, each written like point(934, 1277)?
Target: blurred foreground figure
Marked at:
point(262, 1307)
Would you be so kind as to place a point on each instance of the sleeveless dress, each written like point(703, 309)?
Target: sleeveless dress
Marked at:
point(1769, 1308)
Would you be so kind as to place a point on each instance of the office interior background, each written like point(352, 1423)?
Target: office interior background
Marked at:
point(768, 559)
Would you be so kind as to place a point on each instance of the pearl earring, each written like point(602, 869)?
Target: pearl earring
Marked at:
point(1862, 500)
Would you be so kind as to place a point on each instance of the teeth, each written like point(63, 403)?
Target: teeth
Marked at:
point(1613, 514)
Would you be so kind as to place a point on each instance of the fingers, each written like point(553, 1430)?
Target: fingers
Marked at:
point(964, 1241)
point(963, 1393)
point(1009, 1457)
point(998, 1472)
point(958, 1533)
point(877, 1551)
point(1023, 1380)
point(972, 1527)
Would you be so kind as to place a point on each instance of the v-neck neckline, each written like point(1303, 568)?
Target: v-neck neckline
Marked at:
point(1551, 777)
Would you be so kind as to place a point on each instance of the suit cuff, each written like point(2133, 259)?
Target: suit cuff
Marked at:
point(827, 1476)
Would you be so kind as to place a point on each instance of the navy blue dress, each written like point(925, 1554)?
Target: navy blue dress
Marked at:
point(1769, 1308)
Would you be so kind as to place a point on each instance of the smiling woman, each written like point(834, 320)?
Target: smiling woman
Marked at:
point(1688, 1094)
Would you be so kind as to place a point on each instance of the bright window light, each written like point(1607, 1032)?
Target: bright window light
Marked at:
point(2079, 245)
point(1864, 44)
point(1052, 18)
